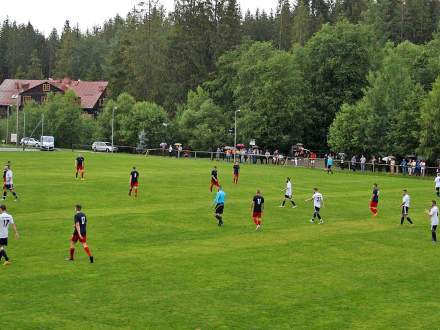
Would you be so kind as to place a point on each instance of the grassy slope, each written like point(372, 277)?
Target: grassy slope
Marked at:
point(161, 261)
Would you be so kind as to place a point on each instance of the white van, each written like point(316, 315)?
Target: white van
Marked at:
point(47, 143)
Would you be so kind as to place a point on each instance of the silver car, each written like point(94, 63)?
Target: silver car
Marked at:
point(30, 142)
point(103, 146)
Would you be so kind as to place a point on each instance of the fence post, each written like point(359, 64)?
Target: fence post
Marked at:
point(195, 155)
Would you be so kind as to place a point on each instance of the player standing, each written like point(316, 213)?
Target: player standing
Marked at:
point(79, 166)
point(288, 194)
point(318, 203)
point(236, 172)
point(5, 220)
point(214, 178)
point(329, 164)
point(219, 203)
point(9, 183)
point(437, 184)
point(134, 182)
point(79, 233)
point(257, 209)
point(433, 215)
point(374, 200)
point(405, 207)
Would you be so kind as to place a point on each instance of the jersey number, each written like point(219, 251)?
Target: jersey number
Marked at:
point(5, 223)
point(83, 220)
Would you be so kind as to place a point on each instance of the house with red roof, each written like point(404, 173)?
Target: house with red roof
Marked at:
point(91, 94)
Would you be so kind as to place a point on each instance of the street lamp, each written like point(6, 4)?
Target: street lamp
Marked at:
point(235, 133)
point(113, 126)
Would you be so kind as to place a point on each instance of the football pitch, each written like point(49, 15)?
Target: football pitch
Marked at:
point(161, 261)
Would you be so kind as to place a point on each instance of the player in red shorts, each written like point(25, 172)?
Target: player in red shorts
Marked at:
point(79, 233)
point(374, 200)
point(236, 172)
point(214, 179)
point(257, 209)
point(134, 182)
point(80, 166)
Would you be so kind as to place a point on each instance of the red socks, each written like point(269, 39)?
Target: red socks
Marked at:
point(72, 251)
point(88, 251)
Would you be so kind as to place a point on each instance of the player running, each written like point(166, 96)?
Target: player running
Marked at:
point(236, 172)
point(214, 178)
point(318, 203)
point(5, 220)
point(437, 184)
point(433, 215)
point(257, 209)
point(79, 166)
point(288, 194)
point(9, 183)
point(134, 182)
point(219, 202)
point(374, 200)
point(79, 233)
point(405, 207)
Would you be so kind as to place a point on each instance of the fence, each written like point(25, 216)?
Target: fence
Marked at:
point(319, 163)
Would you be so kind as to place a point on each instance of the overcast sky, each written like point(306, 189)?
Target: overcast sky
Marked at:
point(46, 14)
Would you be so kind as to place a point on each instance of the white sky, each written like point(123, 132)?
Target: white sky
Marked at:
point(47, 14)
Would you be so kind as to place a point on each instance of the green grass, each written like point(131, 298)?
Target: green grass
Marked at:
point(161, 261)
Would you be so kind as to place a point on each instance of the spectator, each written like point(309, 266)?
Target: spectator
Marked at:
point(392, 165)
point(170, 151)
point(267, 155)
point(353, 163)
point(373, 163)
point(403, 165)
point(217, 154)
point(363, 162)
point(422, 168)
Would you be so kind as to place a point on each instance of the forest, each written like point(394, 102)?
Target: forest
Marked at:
point(354, 76)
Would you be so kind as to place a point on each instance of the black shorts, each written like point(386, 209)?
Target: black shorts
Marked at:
point(405, 210)
point(287, 196)
point(9, 186)
point(317, 209)
point(4, 241)
point(434, 228)
point(329, 167)
point(219, 208)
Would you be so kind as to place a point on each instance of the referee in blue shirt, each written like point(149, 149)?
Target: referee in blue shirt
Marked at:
point(219, 203)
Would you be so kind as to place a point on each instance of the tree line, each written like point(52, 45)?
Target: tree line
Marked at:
point(352, 75)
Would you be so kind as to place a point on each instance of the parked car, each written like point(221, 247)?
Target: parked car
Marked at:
point(30, 142)
point(103, 146)
point(47, 143)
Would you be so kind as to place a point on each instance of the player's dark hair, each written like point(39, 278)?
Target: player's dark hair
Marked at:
point(434, 202)
point(134, 167)
point(404, 190)
point(315, 189)
point(375, 184)
point(3, 207)
point(258, 191)
point(78, 207)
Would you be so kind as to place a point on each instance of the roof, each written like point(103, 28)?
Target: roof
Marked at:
point(88, 91)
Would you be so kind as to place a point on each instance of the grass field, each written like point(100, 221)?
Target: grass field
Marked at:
point(161, 262)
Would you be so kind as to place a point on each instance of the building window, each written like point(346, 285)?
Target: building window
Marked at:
point(101, 102)
point(46, 87)
point(44, 99)
point(27, 99)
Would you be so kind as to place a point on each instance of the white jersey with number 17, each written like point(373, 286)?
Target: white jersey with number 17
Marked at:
point(5, 221)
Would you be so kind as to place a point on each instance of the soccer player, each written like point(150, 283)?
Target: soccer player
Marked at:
point(329, 165)
point(437, 184)
point(318, 203)
point(288, 194)
point(405, 207)
point(257, 209)
point(236, 172)
point(214, 178)
point(80, 166)
point(433, 215)
point(79, 233)
point(134, 182)
point(9, 183)
point(5, 220)
point(219, 203)
point(374, 200)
